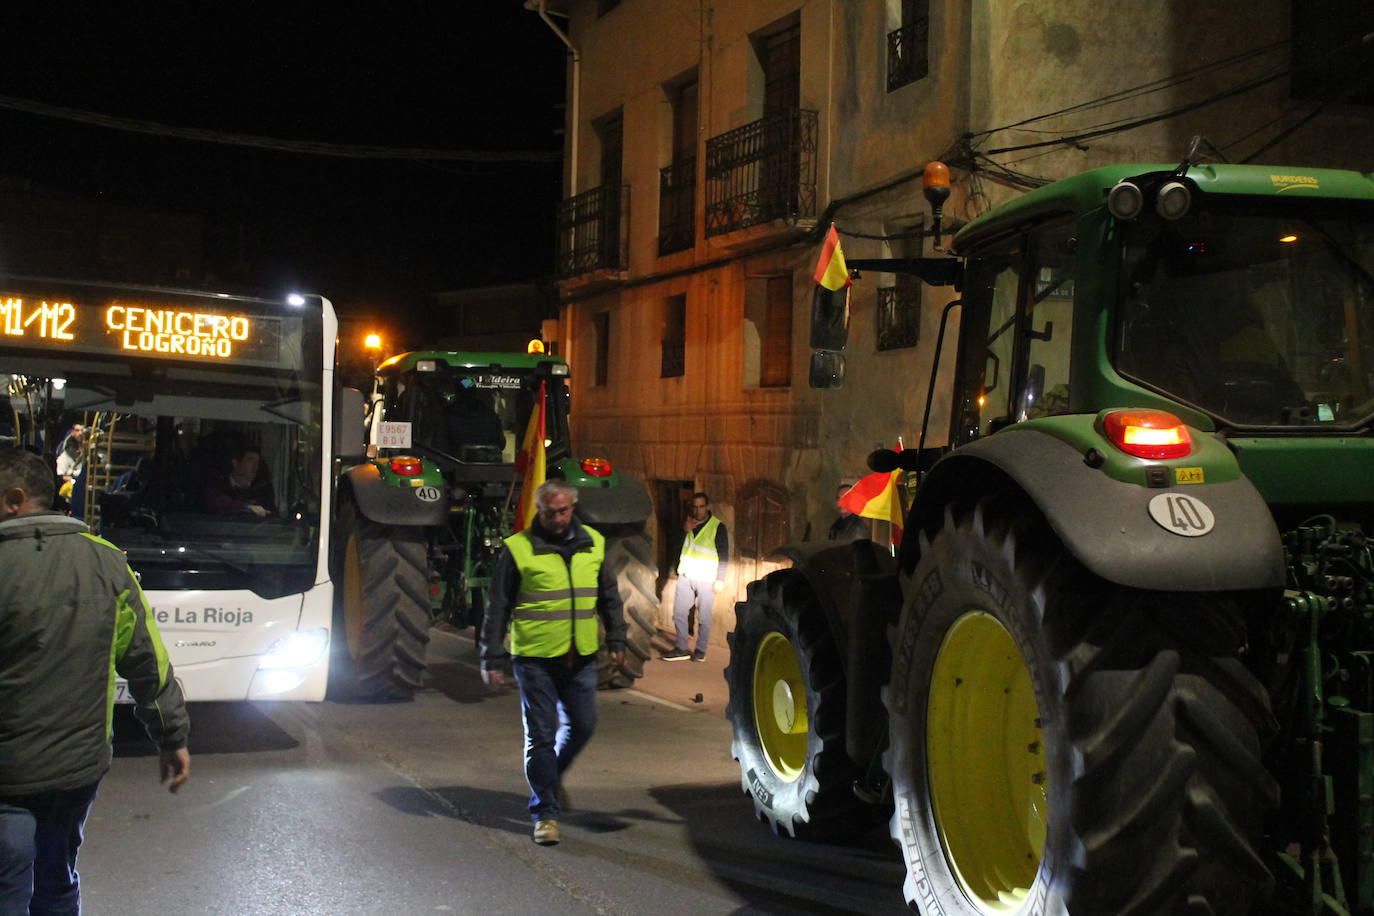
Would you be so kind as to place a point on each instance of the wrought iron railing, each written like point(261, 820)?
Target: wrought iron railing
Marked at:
point(763, 171)
point(899, 316)
point(677, 197)
point(674, 362)
point(908, 54)
point(590, 235)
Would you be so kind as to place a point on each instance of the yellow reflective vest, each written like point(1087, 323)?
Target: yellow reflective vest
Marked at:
point(699, 559)
point(556, 601)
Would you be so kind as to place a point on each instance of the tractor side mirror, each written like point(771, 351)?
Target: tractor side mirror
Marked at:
point(829, 318)
point(827, 369)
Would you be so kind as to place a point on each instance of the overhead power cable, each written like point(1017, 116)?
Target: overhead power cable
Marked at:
point(1121, 95)
point(1141, 122)
point(303, 147)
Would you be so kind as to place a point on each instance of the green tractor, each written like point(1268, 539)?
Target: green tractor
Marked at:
point(1123, 659)
point(420, 523)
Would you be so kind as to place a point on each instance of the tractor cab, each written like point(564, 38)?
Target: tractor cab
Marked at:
point(469, 411)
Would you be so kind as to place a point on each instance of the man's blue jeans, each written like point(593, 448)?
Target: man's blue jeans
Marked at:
point(39, 836)
point(703, 593)
point(558, 704)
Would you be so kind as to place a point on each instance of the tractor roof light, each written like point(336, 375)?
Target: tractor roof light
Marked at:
point(596, 467)
point(1173, 200)
point(1154, 434)
point(407, 466)
point(1125, 200)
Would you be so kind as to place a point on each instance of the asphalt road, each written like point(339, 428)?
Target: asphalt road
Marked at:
point(420, 808)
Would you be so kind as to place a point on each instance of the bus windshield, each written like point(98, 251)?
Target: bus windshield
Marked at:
point(1258, 311)
point(205, 467)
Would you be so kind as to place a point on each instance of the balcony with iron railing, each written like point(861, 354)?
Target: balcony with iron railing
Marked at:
point(591, 231)
point(677, 198)
point(908, 54)
point(761, 172)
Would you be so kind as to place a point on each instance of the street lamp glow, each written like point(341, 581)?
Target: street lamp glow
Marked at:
point(372, 342)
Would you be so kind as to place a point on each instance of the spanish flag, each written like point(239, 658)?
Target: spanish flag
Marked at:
point(530, 463)
point(876, 496)
point(831, 298)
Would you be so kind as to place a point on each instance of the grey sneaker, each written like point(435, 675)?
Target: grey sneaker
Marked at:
point(546, 833)
point(698, 656)
point(677, 655)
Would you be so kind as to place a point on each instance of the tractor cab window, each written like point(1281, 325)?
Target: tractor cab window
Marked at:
point(473, 419)
point(1015, 331)
point(1046, 391)
point(987, 331)
point(475, 416)
point(1260, 312)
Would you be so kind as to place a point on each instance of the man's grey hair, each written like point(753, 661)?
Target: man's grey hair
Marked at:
point(550, 487)
point(29, 472)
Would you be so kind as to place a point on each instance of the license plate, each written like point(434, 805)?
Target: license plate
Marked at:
point(122, 694)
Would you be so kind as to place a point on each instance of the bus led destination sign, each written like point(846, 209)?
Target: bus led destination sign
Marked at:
point(138, 328)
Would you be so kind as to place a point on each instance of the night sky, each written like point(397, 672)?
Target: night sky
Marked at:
point(372, 235)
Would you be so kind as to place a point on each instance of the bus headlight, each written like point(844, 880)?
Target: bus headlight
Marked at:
point(296, 650)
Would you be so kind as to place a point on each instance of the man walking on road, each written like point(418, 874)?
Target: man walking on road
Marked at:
point(700, 574)
point(71, 617)
point(550, 586)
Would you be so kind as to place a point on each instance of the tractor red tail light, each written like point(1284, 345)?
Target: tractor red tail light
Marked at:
point(1154, 434)
point(407, 467)
point(596, 467)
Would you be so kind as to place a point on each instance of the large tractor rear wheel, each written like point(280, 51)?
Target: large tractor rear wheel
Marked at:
point(1060, 745)
point(381, 609)
point(787, 707)
point(630, 556)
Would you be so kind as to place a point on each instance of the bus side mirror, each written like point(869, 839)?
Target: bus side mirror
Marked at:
point(349, 441)
point(827, 369)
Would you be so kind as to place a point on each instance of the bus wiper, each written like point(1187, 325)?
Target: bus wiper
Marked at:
point(212, 555)
point(274, 411)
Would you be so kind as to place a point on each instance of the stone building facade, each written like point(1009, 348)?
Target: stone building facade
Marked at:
point(712, 142)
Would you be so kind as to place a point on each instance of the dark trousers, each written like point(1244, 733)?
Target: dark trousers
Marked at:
point(558, 704)
point(39, 836)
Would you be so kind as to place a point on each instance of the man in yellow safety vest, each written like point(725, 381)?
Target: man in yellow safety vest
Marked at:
point(550, 586)
point(700, 574)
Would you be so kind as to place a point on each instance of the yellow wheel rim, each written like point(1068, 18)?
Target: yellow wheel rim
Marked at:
point(353, 596)
point(780, 712)
point(986, 757)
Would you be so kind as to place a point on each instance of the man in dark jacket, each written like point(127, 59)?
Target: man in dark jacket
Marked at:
point(71, 617)
point(550, 586)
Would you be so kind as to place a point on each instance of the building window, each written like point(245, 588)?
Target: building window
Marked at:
point(768, 332)
point(899, 314)
point(908, 45)
point(677, 182)
point(761, 519)
point(674, 360)
point(591, 224)
point(766, 170)
point(601, 334)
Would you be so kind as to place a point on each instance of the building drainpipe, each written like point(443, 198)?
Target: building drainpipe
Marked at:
point(574, 113)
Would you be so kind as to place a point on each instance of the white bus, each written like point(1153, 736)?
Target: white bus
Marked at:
point(206, 451)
